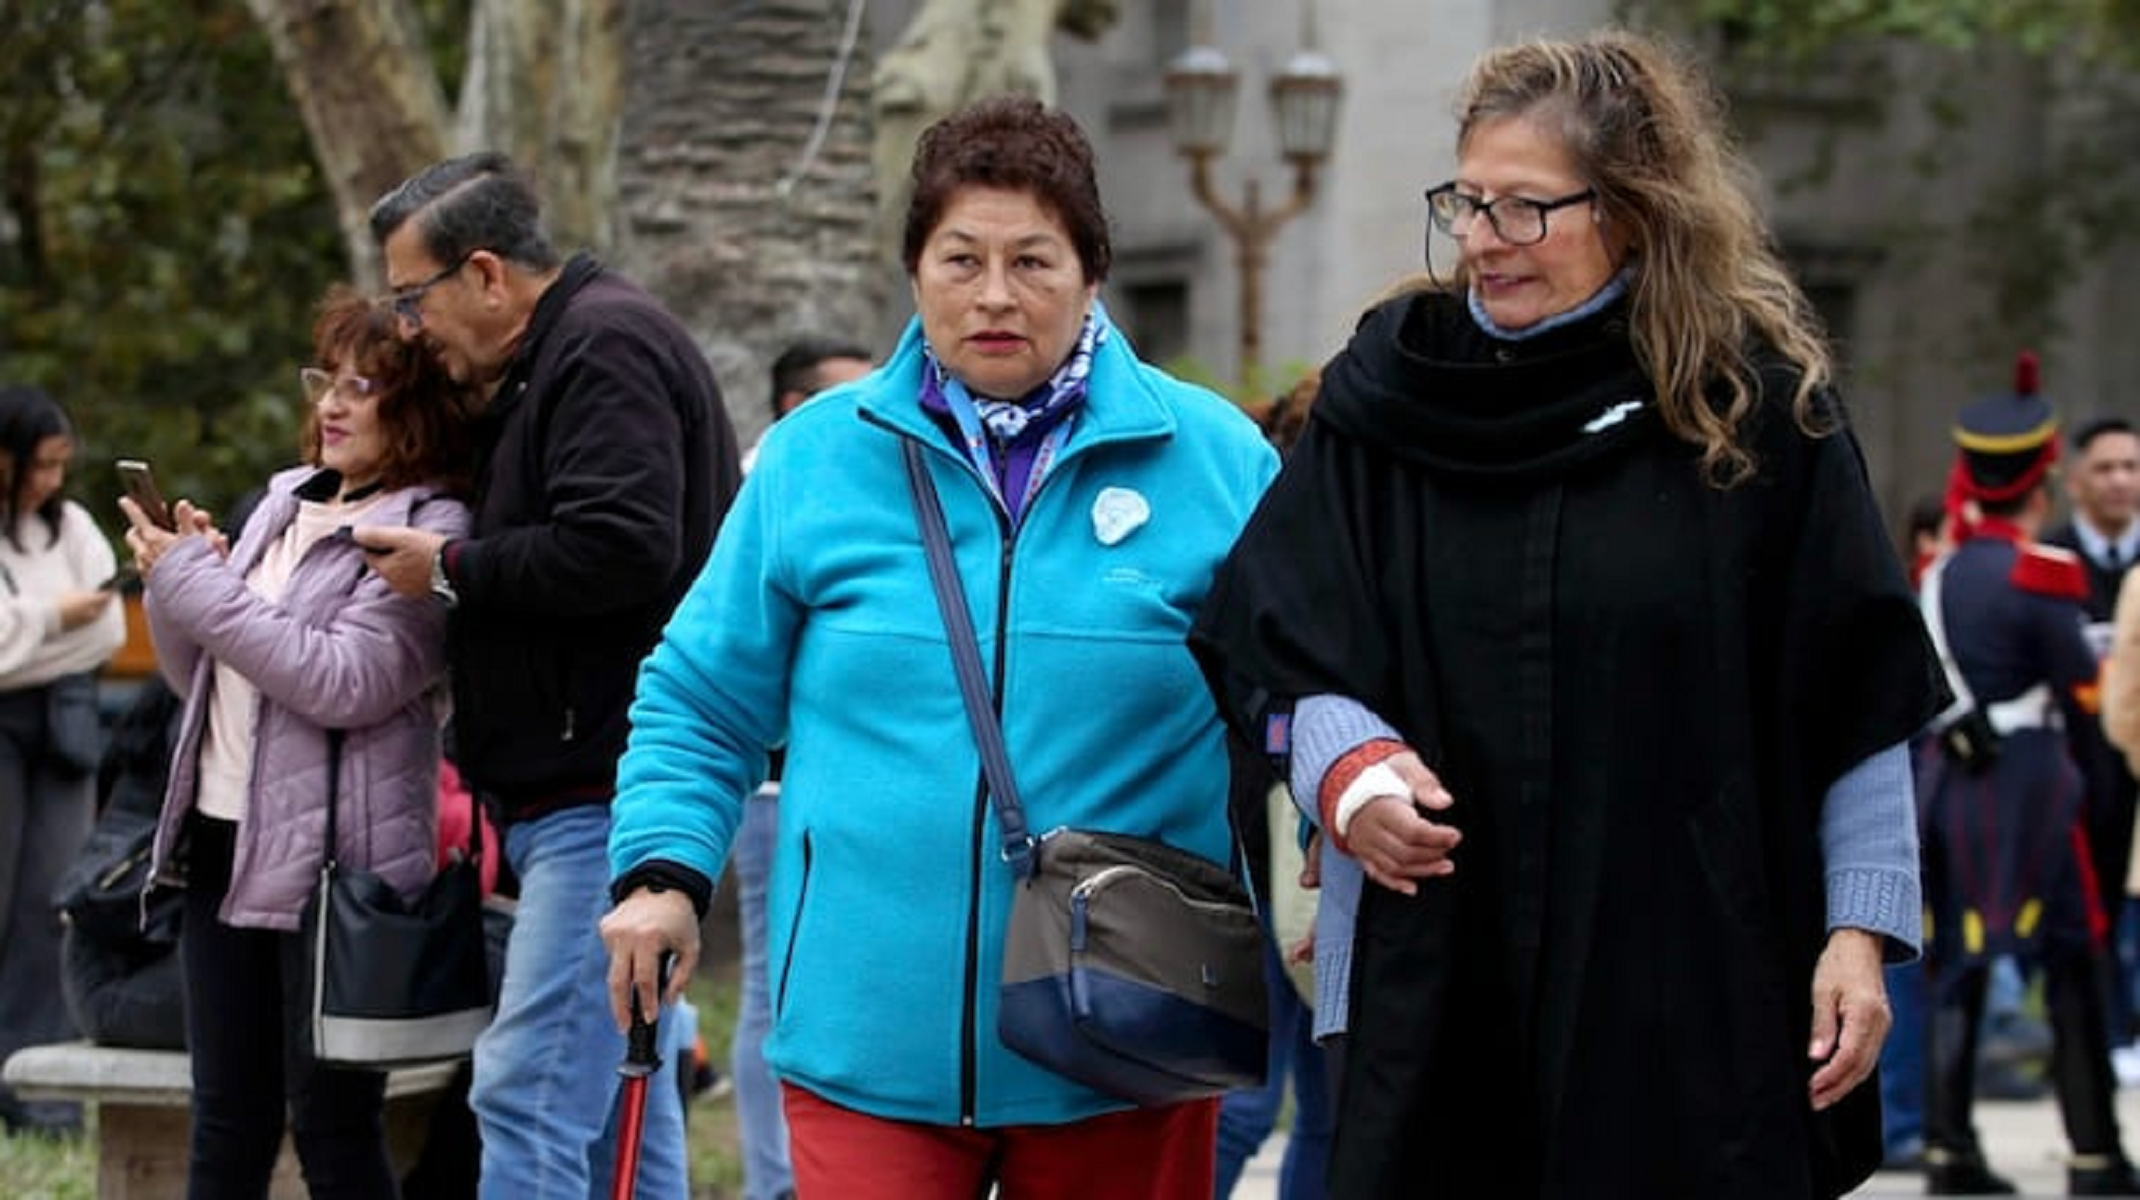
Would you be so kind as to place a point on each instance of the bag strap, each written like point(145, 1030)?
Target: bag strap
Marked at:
point(966, 656)
point(1930, 607)
point(334, 787)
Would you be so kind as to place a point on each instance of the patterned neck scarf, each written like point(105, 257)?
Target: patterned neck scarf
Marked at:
point(1014, 442)
point(1038, 410)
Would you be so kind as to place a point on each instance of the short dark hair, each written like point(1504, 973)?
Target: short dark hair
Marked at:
point(475, 202)
point(1019, 144)
point(796, 368)
point(28, 415)
point(424, 416)
point(2085, 433)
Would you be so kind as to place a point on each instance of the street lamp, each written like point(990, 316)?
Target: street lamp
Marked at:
point(1201, 87)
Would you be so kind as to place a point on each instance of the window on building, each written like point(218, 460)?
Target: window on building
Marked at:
point(1155, 314)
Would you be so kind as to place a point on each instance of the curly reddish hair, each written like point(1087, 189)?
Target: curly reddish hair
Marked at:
point(1018, 144)
point(423, 414)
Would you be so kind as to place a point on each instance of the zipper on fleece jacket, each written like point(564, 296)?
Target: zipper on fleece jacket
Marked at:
point(977, 848)
point(969, 1054)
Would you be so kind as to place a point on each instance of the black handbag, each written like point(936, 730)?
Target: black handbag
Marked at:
point(395, 981)
point(1129, 965)
point(100, 892)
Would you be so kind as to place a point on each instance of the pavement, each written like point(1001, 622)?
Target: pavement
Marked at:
point(2023, 1141)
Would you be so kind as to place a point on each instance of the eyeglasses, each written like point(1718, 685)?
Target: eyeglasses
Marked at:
point(321, 383)
point(1515, 219)
point(407, 302)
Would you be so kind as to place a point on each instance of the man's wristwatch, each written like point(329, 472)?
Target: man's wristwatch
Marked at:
point(441, 586)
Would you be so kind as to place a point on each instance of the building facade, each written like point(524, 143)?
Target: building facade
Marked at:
point(1932, 204)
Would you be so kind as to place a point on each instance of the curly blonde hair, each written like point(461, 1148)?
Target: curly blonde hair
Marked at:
point(1645, 127)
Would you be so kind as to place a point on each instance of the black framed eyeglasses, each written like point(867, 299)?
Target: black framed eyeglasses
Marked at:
point(407, 302)
point(1517, 220)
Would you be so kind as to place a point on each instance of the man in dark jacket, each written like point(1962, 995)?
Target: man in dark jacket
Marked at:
point(604, 463)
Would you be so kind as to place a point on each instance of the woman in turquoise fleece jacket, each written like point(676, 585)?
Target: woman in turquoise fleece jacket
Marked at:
point(1087, 514)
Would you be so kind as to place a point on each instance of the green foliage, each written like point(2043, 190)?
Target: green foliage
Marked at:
point(1271, 381)
point(713, 1150)
point(1796, 29)
point(2021, 237)
point(37, 1168)
point(163, 236)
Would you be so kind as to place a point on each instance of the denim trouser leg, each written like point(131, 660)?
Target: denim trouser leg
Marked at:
point(546, 1080)
point(1305, 1173)
point(761, 1126)
point(1902, 1060)
point(1247, 1116)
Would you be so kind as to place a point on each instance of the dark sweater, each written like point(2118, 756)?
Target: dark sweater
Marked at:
point(605, 462)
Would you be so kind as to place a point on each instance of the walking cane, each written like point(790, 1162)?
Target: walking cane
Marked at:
point(641, 1060)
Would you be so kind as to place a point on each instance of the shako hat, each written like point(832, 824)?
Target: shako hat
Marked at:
point(2006, 443)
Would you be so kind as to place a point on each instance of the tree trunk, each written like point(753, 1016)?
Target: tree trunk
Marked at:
point(752, 229)
point(716, 187)
point(545, 84)
point(370, 98)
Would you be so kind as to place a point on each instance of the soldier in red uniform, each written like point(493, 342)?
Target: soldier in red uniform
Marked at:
point(2006, 867)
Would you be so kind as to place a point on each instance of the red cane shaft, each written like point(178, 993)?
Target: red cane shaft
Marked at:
point(641, 1061)
point(630, 1126)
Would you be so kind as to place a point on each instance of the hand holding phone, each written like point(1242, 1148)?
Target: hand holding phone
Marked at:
point(140, 484)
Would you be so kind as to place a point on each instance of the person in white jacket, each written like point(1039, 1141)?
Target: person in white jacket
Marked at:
point(58, 624)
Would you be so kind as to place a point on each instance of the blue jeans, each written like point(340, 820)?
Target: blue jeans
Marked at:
point(1902, 1061)
point(546, 1082)
point(761, 1126)
point(1247, 1117)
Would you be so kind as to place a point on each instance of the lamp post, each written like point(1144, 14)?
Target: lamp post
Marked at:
point(1201, 87)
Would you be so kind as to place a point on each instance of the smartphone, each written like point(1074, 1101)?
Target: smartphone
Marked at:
point(140, 484)
point(348, 534)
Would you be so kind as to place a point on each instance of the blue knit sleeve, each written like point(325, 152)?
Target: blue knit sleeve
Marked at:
point(1868, 834)
point(1325, 729)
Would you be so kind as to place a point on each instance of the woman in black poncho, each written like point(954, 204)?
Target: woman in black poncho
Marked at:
point(1600, 663)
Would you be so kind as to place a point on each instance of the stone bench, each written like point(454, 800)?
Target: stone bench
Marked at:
point(143, 1100)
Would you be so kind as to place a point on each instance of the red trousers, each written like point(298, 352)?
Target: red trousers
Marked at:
point(1138, 1154)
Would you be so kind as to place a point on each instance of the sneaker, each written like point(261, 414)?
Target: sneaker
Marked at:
point(1950, 1174)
